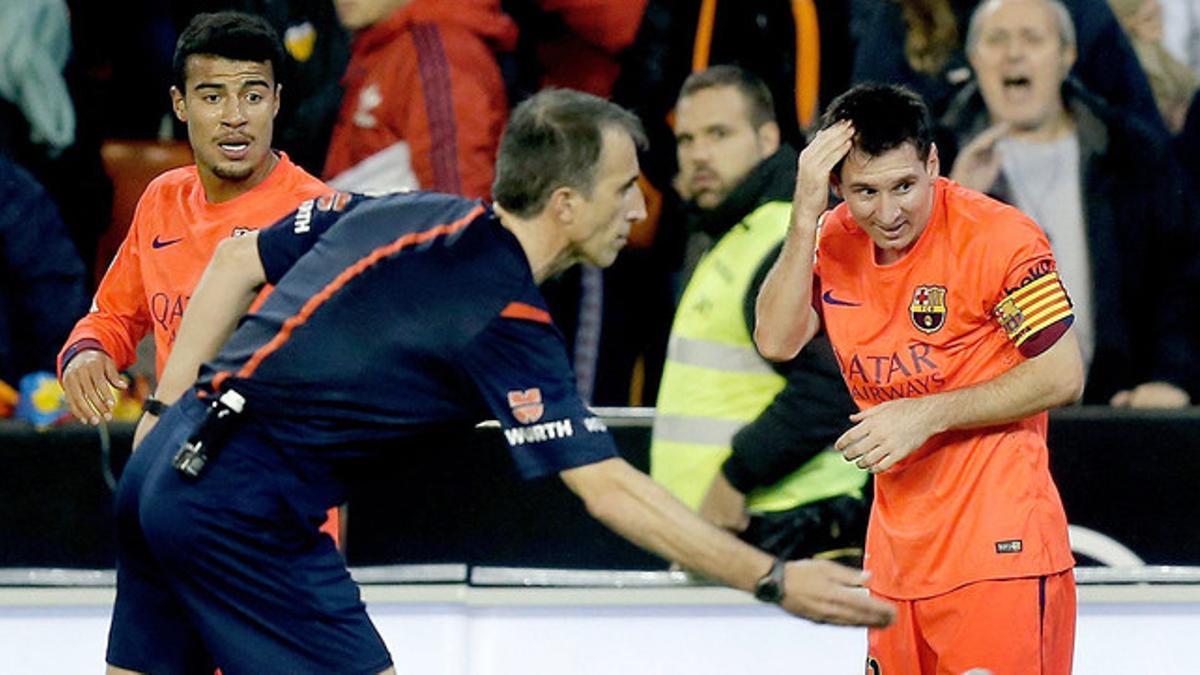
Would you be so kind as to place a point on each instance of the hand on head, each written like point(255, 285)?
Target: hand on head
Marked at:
point(829, 147)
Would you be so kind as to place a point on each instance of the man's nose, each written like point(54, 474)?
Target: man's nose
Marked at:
point(637, 210)
point(234, 113)
point(1014, 49)
point(701, 152)
point(889, 209)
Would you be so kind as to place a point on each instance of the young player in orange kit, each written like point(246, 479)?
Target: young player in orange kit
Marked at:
point(226, 91)
point(952, 331)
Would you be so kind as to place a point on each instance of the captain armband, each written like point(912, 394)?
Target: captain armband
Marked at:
point(1035, 315)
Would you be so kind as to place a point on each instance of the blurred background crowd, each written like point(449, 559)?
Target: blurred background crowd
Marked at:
point(384, 95)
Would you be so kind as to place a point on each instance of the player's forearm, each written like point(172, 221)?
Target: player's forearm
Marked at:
point(226, 290)
point(784, 320)
point(637, 508)
point(112, 334)
point(1051, 379)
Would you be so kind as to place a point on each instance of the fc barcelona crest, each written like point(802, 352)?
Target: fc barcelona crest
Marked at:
point(526, 405)
point(928, 309)
point(1010, 316)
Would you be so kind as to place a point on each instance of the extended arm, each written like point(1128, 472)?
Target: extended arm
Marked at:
point(105, 340)
point(640, 510)
point(785, 318)
point(229, 284)
point(888, 432)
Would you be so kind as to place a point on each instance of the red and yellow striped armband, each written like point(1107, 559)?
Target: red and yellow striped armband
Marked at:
point(1033, 308)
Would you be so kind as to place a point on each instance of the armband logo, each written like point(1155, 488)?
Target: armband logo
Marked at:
point(1010, 317)
point(928, 308)
point(526, 405)
point(1032, 307)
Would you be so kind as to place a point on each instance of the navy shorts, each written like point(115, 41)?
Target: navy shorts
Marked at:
point(230, 570)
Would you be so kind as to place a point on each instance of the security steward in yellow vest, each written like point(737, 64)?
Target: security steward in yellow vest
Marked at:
point(746, 441)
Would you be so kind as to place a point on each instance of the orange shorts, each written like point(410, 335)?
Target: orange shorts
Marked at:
point(1009, 627)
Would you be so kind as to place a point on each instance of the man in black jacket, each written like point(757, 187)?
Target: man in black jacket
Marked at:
point(1104, 187)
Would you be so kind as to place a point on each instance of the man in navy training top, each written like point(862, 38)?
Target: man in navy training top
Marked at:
point(391, 317)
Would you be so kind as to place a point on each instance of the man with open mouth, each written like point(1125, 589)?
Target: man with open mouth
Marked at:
point(1107, 191)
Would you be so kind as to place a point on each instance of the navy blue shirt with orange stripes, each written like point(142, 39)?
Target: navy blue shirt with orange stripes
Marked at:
point(396, 315)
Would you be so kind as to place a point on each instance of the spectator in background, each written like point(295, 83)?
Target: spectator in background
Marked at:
point(800, 49)
point(1181, 31)
point(317, 49)
point(734, 434)
point(226, 93)
point(918, 43)
point(576, 44)
point(41, 276)
point(37, 41)
point(425, 102)
point(1173, 83)
point(1104, 187)
point(41, 127)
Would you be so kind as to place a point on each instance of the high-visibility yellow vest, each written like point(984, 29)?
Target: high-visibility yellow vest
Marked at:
point(715, 382)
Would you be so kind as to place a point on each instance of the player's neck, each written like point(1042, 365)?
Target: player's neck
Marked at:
point(545, 249)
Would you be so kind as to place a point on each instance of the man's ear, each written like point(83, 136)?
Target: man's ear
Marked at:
point(835, 184)
point(177, 104)
point(768, 138)
point(563, 205)
point(1068, 60)
point(933, 164)
point(275, 108)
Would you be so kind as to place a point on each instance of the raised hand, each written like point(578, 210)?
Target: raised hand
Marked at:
point(978, 164)
point(827, 148)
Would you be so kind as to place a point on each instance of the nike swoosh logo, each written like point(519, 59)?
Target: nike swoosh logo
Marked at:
point(830, 300)
point(158, 243)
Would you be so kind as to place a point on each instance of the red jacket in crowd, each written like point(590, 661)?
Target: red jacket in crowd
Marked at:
point(425, 102)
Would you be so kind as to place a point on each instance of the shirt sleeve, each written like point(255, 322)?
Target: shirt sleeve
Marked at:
point(1033, 307)
point(519, 365)
point(285, 242)
point(118, 318)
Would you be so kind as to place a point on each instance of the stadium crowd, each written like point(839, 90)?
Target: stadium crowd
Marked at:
point(381, 95)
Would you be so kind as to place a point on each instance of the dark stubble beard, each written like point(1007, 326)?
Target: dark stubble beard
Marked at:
point(230, 174)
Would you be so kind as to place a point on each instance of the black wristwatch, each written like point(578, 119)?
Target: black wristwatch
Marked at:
point(770, 587)
point(153, 406)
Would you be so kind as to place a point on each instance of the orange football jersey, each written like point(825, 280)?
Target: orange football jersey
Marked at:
point(980, 280)
point(170, 241)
